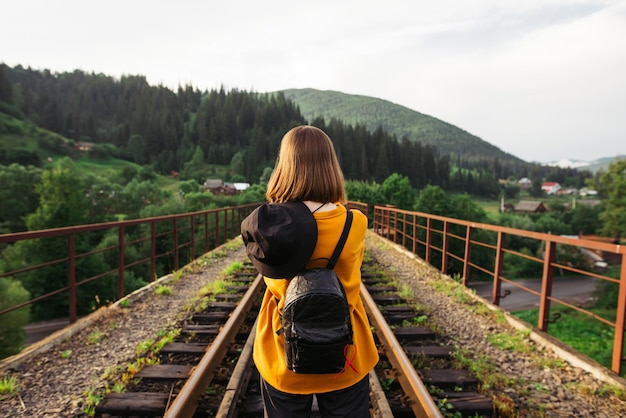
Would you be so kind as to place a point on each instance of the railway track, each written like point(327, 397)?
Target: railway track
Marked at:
point(206, 370)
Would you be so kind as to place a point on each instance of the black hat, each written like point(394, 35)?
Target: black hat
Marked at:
point(280, 238)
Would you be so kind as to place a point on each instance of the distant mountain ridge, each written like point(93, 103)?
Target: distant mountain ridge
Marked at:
point(394, 119)
point(593, 166)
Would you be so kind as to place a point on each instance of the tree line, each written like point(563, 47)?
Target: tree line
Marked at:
point(153, 125)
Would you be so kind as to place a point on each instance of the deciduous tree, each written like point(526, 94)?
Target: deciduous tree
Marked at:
point(612, 187)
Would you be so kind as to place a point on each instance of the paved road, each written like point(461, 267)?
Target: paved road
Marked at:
point(39, 330)
point(574, 290)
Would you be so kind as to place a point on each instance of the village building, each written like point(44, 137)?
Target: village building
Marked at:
point(530, 206)
point(551, 187)
point(217, 186)
point(525, 183)
point(240, 187)
point(585, 191)
point(83, 146)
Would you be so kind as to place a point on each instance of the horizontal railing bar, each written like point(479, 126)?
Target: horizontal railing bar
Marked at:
point(388, 222)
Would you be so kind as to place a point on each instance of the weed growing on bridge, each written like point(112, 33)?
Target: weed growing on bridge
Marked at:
point(152, 347)
point(213, 255)
point(163, 290)
point(8, 387)
point(92, 398)
point(418, 320)
point(386, 383)
point(215, 287)
point(606, 390)
point(95, 337)
point(406, 292)
point(443, 404)
point(118, 387)
point(420, 361)
point(483, 368)
point(485, 371)
point(517, 342)
point(177, 275)
point(466, 297)
point(66, 354)
point(547, 362)
point(233, 244)
point(447, 409)
point(505, 406)
point(231, 269)
point(383, 245)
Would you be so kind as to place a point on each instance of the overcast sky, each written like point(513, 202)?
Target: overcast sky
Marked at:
point(541, 79)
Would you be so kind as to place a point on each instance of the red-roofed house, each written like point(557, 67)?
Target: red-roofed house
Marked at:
point(551, 187)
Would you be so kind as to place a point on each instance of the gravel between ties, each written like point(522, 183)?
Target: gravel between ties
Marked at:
point(53, 386)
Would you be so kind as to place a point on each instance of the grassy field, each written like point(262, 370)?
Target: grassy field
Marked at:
point(109, 167)
point(493, 205)
point(579, 331)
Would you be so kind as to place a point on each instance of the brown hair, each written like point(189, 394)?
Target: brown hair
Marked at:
point(306, 169)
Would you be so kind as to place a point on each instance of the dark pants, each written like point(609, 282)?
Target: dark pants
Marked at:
point(352, 402)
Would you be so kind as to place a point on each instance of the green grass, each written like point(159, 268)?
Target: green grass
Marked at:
point(8, 387)
point(103, 167)
point(163, 290)
point(490, 206)
point(95, 337)
point(517, 342)
point(581, 332)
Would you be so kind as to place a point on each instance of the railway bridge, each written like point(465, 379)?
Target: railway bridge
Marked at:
point(178, 346)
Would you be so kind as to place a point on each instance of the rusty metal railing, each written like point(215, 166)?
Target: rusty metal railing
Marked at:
point(160, 238)
point(475, 250)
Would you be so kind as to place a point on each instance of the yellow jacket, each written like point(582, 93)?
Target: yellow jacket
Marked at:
point(269, 356)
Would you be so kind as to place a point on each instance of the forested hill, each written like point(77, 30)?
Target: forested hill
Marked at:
point(396, 120)
point(195, 133)
point(185, 131)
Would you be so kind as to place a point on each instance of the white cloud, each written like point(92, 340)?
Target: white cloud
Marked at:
point(542, 79)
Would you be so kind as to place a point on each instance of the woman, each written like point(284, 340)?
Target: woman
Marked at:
point(307, 171)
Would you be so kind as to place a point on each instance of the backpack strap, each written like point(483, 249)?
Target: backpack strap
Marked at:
point(341, 242)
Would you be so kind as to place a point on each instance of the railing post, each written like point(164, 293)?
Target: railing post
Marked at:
point(152, 251)
point(384, 218)
point(232, 224)
point(121, 249)
point(468, 255)
point(206, 232)
point(497, 270)
point(546, 286)
point(225, 226)
point(71, 275)
point(428, 237)
point(192, 226)
point(404, 216)
point(175, 227)
point(444, 248)
point(620, 322)
point(217, 228)
point(415, 239)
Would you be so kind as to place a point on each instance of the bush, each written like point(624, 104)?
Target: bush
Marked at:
point(12, 334)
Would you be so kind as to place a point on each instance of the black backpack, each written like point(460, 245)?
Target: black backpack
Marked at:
point(316, 318)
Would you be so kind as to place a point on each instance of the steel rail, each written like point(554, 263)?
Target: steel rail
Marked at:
point(239, 379)
point(421, 402)
point(186, 402)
